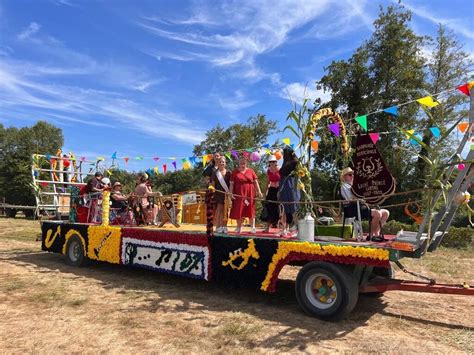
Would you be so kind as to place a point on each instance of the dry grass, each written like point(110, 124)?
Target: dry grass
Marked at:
point(49, 307)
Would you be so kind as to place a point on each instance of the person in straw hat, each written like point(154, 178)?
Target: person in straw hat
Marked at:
point(377, 217)
point(272, 214)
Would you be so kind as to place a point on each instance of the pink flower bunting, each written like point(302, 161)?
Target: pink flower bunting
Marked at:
point(334, 128)
point(374, 137)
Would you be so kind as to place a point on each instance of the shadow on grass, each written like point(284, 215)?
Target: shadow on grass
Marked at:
point(194, 297)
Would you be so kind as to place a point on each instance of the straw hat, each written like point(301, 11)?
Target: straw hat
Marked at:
point(344, 172)
point(272, 158)
point(117, 184)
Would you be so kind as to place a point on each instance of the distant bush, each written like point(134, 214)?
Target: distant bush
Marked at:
point(459, 238)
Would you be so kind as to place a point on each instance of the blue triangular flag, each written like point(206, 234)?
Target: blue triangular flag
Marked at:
point(414, 142)
point(391, 110)
point(149, 172)
point(435, 131)
point(292, 146)
point(48, 157)
point(192, 160)
point(114, 156)
point(266, 146)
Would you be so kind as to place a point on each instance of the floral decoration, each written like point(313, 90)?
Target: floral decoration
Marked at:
point(105, 207)
point(104, 243)
point(288, 251)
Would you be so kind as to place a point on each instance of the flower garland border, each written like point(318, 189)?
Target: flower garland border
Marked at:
point(298, 251)
point(154, 235)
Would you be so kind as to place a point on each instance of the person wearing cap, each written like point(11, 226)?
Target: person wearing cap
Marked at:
point(288, 193)
point(117, 198)
point(377, 217)
point(271, 194)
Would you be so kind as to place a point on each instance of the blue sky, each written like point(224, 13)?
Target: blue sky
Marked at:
point(148, 78)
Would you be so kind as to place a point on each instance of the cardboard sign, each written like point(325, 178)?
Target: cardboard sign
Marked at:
point(372, 179)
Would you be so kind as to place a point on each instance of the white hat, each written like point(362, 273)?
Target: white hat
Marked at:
point(106, 181)
point(272, 158)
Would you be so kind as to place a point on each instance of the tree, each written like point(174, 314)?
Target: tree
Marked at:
point(238, 136)
point(16, 149)
point(448, 66)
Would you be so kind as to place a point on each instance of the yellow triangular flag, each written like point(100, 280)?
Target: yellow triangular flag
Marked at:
point(109, 172)
point(428, 102)
point(186, 165)
point(286, 141)
point(155, 169)
point(204, 159)
point(409, 133)
point(470, 85)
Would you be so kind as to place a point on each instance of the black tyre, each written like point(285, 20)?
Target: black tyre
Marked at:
point(384, 272)
point(29, 213)
point(74, 251)
point(327, 291)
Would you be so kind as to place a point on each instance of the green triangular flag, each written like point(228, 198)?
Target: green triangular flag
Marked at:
point(362, 120)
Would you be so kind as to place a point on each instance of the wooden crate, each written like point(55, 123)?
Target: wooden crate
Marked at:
point(195, 213)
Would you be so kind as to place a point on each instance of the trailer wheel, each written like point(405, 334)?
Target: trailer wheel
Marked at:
point(326, 291)
point(10, 212)
point(74, 251)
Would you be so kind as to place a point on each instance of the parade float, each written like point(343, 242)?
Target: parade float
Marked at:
point(334, 269)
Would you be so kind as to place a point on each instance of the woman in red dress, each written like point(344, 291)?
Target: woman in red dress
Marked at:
point(243, 184)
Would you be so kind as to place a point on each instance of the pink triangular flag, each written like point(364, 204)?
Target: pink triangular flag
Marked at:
point(374, 136)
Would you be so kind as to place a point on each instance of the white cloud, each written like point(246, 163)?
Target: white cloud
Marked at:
point(29, 31)
point(297, 92)
point(456, 25)
point(18, 91)
point(235, 102)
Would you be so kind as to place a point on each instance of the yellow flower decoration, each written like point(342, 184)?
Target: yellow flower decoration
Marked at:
point(285, 248)
point(104, 243)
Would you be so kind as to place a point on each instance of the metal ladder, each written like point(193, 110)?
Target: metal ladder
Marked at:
point(443, 218)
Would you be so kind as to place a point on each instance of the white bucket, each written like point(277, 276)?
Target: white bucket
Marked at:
point(306, 228)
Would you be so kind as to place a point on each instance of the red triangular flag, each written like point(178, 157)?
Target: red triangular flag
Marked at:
point(126, 159)
point(464, 89)
point(164, 168)
point(374, 136)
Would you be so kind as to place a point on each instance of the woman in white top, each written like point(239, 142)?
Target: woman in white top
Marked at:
point(378, 217)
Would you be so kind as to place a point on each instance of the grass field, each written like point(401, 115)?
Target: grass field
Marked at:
point(49, 307)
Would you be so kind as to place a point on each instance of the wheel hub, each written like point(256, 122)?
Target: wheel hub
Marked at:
point(321, 291)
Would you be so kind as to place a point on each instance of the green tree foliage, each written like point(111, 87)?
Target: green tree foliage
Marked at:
point(252, 134)
point(16, 149)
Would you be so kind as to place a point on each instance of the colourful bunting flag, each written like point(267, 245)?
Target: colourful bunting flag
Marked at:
point(114, 156)
point(83, 159)
point(174, 165)
point(100, 159)
point(428, 102)
point(234, 154)
point(149, 172)
point(246, 154)
point(414, 141)
point(266, 146)
point(250, 150)
point(192, 160)
point(139, 158)
point(228, 156)
point(435, 131)
point(464, 89)
point(172, 158)
point(461, 166)
point(362, 121)
point(315, 146)
point(48, 157)
point(409, 133)
point(156, 158)
point(463, 127)
point(286, 141)
point(391, 110)
point(334, 128)
point(204, 160)
point(374, 137)
point(470, 84)
point(126, 159)
point(109, 172)
point(156, 170)
point(164, 168)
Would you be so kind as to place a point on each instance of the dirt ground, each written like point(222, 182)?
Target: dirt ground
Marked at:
point(49, 307)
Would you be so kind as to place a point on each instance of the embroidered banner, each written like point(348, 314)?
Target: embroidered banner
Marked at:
point(372, 179)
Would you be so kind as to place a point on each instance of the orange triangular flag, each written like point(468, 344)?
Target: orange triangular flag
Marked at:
point(463, 127)
point(315, 146)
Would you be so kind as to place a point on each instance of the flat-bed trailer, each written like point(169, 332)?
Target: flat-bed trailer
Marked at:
point(327, 286)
